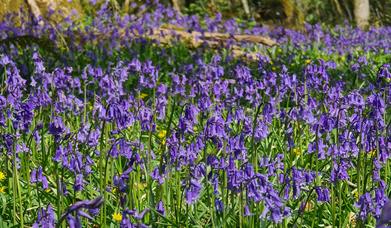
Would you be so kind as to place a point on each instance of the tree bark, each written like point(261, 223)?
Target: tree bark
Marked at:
point(361, 13)
point(35, 10)
point(246, 7)
point(339, 9)
point(125, 7)
point(177, 5)
point(294, 15)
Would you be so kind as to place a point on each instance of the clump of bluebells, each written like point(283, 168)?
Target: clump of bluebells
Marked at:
point(156, 136)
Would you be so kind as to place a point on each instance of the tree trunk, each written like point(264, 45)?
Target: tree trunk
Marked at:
point(294, 15)
point(125, 7)
point(34, 8)
point(361, 13)
point(338, 7)
point(246, 7)
point(177, 5)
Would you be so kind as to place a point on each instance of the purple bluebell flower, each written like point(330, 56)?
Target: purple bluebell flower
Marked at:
point(157, 176)
point(219, 205)
point(57, 127)
point(160, 208)
point(385, 216)
point(192, 192)
point(323, 194)
point(36, 176)
point(46, 218)
point(365, 206)
point(78, 186)
point(247, 211)
point(77, 207)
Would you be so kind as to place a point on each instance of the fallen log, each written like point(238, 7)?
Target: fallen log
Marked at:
point(224, 37)
point(168, 36)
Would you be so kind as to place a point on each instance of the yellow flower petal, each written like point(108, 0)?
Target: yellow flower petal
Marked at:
point(143, 95)
point(297, 151)
point(162, 134)
point(2, 176)
point(117, 217)
point(372, 153)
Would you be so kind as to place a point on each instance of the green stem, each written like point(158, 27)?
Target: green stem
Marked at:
point(16, 190)
point(254, 157)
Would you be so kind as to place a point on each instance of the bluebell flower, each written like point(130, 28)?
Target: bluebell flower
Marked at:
point(192, 192)
point(385, 216)
point(160, 208)
point(45, 218)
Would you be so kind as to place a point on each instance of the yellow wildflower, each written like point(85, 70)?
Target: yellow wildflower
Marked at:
point(308, 61)
point(143, 95)
point(309, 206)
point(352, 219)
point(2, 189)
point(140, 186)
point(2, 176)
point(162, 134)
point(117, 217)
point(372, 153)
point(274, 68)
point(297, 151)
point(356, 195)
